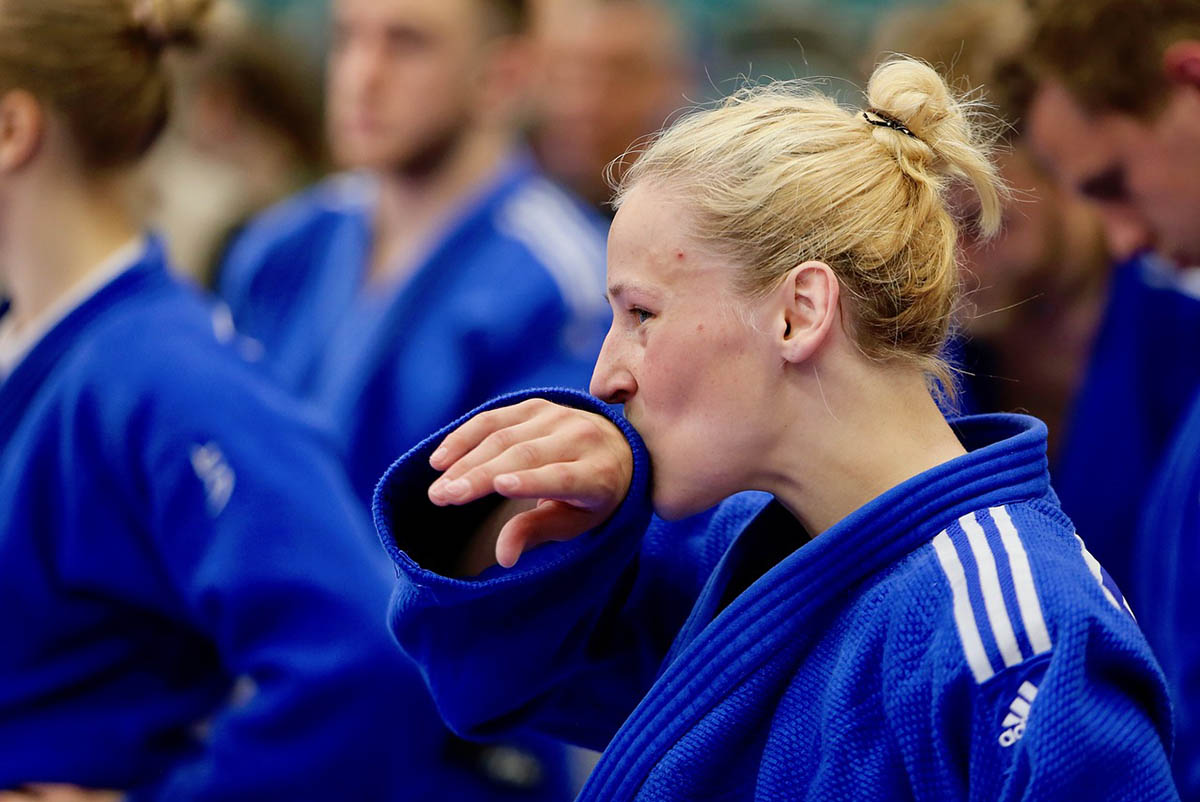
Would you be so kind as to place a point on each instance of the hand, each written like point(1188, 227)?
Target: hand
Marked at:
point(576, 464)
point(49, 792)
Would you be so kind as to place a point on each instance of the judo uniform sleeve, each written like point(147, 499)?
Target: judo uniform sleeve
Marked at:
point(560, 642)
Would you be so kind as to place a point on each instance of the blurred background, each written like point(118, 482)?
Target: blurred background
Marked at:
point(247, 130)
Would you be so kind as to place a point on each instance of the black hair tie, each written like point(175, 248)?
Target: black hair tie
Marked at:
point(887, 121)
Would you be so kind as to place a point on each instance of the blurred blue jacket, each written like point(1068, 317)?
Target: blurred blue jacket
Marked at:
point(1140, 379)
point(171, 524)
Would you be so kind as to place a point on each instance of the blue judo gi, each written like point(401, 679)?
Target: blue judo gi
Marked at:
point(1139, 381)
point(951, 639)
point(171, 527)
point(1168, 550)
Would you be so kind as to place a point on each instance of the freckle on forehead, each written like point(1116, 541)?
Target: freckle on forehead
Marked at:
point(679, 255)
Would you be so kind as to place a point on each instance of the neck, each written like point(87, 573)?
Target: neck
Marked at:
point(410, 207)
point(870, 430)
point(53, 236)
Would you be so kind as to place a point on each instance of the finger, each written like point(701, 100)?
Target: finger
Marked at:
point(588, 484)
point(58, 792)
point(479, 481)
point(494, 445)
point(550, 520)
point(467, 437)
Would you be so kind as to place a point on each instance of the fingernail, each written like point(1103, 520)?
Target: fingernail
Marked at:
point(507, 482)
point(455, 489)
point(437, 455)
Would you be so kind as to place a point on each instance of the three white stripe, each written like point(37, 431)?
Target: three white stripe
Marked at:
point(993, 598)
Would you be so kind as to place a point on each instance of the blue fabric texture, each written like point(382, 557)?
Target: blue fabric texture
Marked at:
point(194, 599)
point(1168, 560)
point(509, 295)
point(1135, 393)
point(951, 639)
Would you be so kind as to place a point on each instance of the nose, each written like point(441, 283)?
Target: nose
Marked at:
point(1125, 231)
point(612, 381)
point(356, 67)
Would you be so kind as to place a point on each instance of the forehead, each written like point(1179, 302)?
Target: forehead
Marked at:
point(615, 30)
point(442, 14)
point(652, 242)
point(1070, 142)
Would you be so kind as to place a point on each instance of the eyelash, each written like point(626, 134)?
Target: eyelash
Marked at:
point(640, 314)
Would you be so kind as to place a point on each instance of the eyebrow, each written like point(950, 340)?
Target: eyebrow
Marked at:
point(614, 291)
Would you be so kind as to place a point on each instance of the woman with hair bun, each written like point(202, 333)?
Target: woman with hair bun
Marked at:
point(193, 602)
point(904, 613)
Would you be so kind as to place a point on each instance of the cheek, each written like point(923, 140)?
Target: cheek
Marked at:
point(677, 371)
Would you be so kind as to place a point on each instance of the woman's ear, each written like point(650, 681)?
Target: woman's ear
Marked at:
point(809, 298)
point(22, 126)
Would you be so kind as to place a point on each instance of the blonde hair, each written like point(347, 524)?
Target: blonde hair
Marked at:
point(977, 45)
point(98, 64)
point(780, 174)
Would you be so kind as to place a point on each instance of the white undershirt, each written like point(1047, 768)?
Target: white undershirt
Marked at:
point(16, 343)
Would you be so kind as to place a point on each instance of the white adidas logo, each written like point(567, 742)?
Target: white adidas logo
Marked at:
point(214, 472)
point(1018, 714)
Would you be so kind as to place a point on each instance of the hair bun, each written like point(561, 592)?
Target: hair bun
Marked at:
point(913, 94)
point(165, 23)
point(948, 137)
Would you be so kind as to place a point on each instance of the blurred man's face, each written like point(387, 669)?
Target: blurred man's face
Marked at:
point(1080, 150)
point(1143, 175)
point(613, 73)
point(1161, 160)
point(401, 81)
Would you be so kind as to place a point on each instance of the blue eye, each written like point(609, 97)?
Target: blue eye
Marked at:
point(641, 314)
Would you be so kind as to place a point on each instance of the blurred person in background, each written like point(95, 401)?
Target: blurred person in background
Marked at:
point(245, 133)
point(612, 72)
point(440, 270)
point(445, 268)
point(194, 601)
point(1043, 279)
point(1117, 117)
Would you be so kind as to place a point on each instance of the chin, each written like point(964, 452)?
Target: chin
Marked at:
point(677, 507)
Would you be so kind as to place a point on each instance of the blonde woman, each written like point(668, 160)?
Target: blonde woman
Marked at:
point(904, 613)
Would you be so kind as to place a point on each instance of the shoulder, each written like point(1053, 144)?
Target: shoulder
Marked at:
point(169, 356)
point(1002, 586)
point(289, 227)
point(552, 230)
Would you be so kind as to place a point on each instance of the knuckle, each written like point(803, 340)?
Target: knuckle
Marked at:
point(565, 477)
point(608, 478)
point(526, 452)
point(502, 439)
point(533, 406)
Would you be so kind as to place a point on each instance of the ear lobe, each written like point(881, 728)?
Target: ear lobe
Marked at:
point(1181, 63)
point(810, 297)
point(22, 126)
